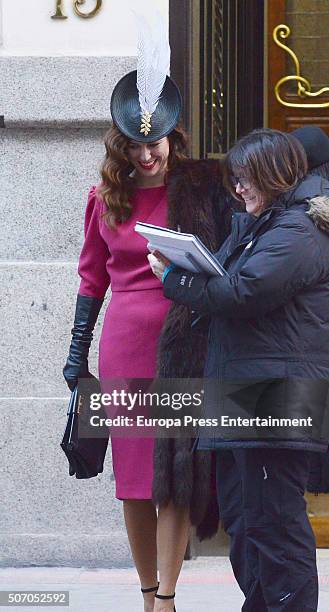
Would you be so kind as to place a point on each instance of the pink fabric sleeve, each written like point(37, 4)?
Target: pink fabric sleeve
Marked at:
point(95, 279)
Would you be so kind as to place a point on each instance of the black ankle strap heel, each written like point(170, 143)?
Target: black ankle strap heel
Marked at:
point(166, 597)
point(151, 589)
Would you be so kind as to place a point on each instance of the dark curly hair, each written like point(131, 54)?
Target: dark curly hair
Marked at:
point(117, 185)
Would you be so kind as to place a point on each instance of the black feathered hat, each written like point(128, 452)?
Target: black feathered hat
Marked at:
point(128, 117)
point(146, 104)
point(316, 144)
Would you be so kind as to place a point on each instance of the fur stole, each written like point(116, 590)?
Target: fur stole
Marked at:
point(198, 204)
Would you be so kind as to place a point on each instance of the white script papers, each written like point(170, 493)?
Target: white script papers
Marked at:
point(185, 250)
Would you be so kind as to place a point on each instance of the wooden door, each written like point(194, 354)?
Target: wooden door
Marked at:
point(298, 64)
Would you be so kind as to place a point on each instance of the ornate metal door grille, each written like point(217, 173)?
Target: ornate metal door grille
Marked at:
point(231, 72)
point(211, 77)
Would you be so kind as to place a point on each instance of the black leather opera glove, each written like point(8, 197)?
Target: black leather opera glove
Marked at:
point(86, 313)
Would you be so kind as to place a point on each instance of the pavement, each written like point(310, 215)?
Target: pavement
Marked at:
point(206, 585)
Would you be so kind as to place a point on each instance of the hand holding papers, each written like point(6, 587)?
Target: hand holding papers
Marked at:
point(185, 250)
point(158, 264)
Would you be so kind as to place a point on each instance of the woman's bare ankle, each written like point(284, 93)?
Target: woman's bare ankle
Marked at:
point(149, 599)
point(163, 605)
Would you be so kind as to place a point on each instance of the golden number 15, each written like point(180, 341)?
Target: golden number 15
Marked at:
point(59, 11)
point(76, 4)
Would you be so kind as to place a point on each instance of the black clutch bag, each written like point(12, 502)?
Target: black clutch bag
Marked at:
point(85, 454)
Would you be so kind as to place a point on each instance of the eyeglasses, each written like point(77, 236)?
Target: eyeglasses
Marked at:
point(244, 182)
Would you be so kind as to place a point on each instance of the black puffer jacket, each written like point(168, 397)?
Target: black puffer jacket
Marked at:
point(269, 335)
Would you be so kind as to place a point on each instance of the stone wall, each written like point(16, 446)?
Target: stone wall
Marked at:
point(56, 111)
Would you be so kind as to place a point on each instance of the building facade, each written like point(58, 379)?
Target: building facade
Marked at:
point(59, 62)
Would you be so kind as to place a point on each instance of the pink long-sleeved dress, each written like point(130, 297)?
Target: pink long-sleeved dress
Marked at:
point(133, 320)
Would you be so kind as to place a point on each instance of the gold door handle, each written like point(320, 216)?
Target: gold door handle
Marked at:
point(304, 88)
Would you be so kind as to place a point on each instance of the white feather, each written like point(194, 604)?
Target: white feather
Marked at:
point(153, 61)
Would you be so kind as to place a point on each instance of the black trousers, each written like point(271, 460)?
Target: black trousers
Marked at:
point(262, 508)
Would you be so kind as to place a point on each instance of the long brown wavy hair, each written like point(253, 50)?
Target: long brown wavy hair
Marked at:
point(117, 185)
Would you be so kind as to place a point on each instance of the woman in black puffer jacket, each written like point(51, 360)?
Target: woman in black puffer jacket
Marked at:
point(268, 357)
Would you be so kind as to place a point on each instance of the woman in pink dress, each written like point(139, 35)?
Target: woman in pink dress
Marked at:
point(133, 188)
